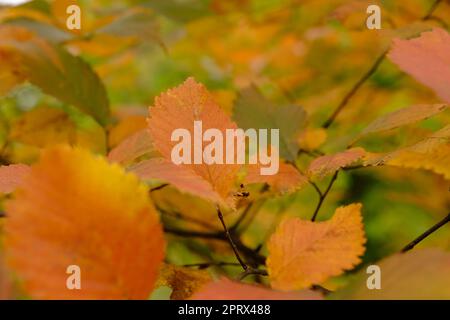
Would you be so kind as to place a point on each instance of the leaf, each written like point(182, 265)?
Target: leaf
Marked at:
point(225, 289)
point(418, 274)
point(303, 253)
point(132, 147)
point(138, 23)
point(312, 138)
point(125, 128)
point(179, 108)
point(329, 164)
point(180, 11)
point(252, 110)
point(427, 59)
point(6, 283)
point(428, 145)
point(44, 126)
point(12, 176)
point(56, 72)
point(183, 281)
point(402, 117)
point(76, 209)
point(184, 180)
point(437, 160)
point(288, 178)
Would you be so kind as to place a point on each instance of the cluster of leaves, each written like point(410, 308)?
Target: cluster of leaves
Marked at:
point(88, 178)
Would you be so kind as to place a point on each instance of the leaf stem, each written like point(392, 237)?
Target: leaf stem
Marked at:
point(424, 235)
point(230, 240)
point(323, 195)
point(368, 74)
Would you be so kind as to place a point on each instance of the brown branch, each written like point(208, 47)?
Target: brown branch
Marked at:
point(252, 271)
point(323, 195)
point(159, 187)
point(204, 265)
point(230, 240)
point(368, 74)
point(424, 235)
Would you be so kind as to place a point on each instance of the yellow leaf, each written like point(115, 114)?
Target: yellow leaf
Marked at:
point(302, 253)
point(76, 209)
point(183, 281)
point(437, 160)
point(312, 139)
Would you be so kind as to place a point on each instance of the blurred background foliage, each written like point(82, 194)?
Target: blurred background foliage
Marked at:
point(307, 53)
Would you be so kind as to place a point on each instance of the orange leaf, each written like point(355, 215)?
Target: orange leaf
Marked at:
point(225, 289)
point(403, 116)
point(416, 275)
point(132, 148)
point(287, 179)
point(302, 253)
point(12, 176)
point(179, 108)
point(76, 209)
point(183, 281)
point(329, 164)
point(427, 59)
point(184, 180)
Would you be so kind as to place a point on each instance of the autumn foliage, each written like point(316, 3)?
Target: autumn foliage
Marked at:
point(87, 177)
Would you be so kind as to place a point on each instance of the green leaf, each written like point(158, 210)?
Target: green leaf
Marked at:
point(57, 72)
point(253, 110)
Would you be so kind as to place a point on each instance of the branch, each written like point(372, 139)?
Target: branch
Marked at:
point(323, 195)
point(230, 240)
point(251, 271)
point(424, 235)
point(368, 74)
point(205, 265)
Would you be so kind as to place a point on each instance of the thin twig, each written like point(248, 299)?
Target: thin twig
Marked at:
point(438, 225)
point(205, 265)
point(368, 74)
point(323, 195)
point(230, 240)
point(252, 271)
point(178, 215)
point(159, 187)
point(354, 89)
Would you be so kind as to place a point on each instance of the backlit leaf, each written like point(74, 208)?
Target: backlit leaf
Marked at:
point(76, 209)
point(12, 176)
point(329, 164)
point(179, 108)
point(302, 253)
point(56, 72)
point(427, 59)
point(253, 110)
point(403, 116)
point(183, 281)
point(418, 274)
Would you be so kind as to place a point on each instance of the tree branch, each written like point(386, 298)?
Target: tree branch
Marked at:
point(323, 195)
point(368, 74)
point(230, 240)
point(424, 235)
